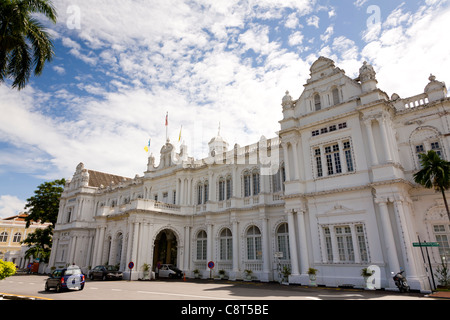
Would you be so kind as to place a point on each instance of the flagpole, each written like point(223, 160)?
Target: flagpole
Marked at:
point(167, 124)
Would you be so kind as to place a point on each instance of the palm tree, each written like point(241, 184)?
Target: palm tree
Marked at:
point(435, 173)
point(24, 43)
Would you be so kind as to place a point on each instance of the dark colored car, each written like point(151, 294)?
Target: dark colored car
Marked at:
point(69, 278)
point(106, 272)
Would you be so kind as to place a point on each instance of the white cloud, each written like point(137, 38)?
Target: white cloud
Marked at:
point(60, 70)
point(409, 48)
point(10, 206)
point(313, 21)
point(296, 38)
point(328, 33)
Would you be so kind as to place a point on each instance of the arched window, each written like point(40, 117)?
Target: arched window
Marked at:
point(201, 245)
point(199, 193)
point(3, 236)
point(226, 245)
point(17, 237)
point(278, 179)
point(202, 192)
point(254, 247)
point(206, 191)
point(222, 187)
point(283, 241)
point(335, 93)
point(255, 180)
point(228, 187)
point(317, 104)
point(247, 184)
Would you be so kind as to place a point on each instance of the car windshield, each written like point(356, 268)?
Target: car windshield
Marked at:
point(112, 268)
point(172, 267)
point(71, 271)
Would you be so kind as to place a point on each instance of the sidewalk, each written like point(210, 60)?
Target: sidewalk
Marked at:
point(440, 294)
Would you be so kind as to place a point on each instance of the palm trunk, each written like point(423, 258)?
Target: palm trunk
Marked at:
point(445, 202)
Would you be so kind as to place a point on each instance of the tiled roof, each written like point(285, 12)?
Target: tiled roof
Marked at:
point(97, 178)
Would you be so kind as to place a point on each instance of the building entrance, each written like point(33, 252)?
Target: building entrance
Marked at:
point(165, 248)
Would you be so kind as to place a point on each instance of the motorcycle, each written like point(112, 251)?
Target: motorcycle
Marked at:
point(400, 281)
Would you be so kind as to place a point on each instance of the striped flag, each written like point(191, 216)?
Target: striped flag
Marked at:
point(167, 119)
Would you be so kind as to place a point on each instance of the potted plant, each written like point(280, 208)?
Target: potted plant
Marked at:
point(146, 269)
point(196, 273)
point(248, 274)
point(286, 273)
point(221, 273)
point(366, 273)
point(312, 277)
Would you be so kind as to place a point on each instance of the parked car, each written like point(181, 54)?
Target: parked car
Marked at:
point(106, 273)
point(169, 271)
point(69, 278)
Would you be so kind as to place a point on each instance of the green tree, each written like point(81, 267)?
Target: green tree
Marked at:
point(43, 207)
point(7, 269)
point(435, 173)
point(24, 42)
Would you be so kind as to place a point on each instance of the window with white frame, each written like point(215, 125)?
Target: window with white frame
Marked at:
point(254, 246)
point(201, 245)
point(278, 179)
point(346, 245)
point(3, 236)
point(442, 236)
point(222, 186)
point(283, 241)
point(17, 237)
point(251, 182)
point(228, 187)
point(226, 245)
point(334, 158)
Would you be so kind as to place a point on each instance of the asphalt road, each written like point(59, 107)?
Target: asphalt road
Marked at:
point(206, 290)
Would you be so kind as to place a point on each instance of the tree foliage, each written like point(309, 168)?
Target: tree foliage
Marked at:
point(24, 42)
point(435, 173)
point(7, 269)
point(43, 207)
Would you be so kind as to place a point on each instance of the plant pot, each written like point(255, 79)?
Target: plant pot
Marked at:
point(368, 285)
point(312, 280)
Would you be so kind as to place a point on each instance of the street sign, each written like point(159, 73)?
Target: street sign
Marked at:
point(131, 265)
point(425, 244)
point(211, 264)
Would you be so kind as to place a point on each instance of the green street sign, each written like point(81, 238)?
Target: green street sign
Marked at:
point(425, 244)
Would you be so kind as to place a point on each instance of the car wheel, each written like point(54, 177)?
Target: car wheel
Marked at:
point(58, 288)
point(104, 277)
point(91, 277)
point(46, 287)
point(82, 287)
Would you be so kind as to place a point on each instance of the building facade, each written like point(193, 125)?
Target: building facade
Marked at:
point(13, 230)
point(333, 191)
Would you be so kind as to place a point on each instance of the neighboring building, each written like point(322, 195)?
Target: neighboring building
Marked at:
point(334, 191)
point(12, 231)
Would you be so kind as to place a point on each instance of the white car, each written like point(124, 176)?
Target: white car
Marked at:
point(169, 271)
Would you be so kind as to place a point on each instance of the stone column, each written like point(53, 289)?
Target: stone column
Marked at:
point(389, 241)
point(235, 245)
point(372, 150)
point(296, 170)
point(304, 257)
point(384, 139)
point(292, 243)
point(286, 162)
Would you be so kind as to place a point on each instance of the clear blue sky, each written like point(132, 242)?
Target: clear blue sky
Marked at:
point(121, 65)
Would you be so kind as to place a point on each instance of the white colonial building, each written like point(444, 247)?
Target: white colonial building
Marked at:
point(333, 191)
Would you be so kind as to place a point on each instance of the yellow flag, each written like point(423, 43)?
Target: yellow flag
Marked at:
point(179, 136)
point(146, 148)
